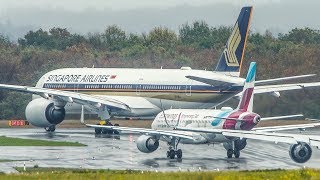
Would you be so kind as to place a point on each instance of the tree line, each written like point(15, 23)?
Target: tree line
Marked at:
point(195, 44)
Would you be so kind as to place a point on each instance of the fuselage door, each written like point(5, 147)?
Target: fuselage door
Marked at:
point(76, 87)
point(188, 88)
point(139, 86)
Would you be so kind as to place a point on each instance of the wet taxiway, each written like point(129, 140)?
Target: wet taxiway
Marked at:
point(121, 153)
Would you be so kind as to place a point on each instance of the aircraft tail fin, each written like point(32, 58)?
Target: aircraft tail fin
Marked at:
point(233, 53)
point(246, 101)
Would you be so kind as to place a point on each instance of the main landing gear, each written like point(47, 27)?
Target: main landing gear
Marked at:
point(102, 130)
point(173, 149)
point(234, 147)
point(50, 128)
point(234, 152)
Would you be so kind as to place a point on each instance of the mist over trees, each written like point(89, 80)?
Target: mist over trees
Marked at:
point(196, 45)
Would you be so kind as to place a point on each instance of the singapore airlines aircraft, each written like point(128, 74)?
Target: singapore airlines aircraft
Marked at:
point(227, 126)
point(128, 92)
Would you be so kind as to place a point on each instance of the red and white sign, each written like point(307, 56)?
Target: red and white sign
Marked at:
point(18, 123)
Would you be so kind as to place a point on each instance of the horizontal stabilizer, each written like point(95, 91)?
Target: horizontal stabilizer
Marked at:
point(281, 117)
point(228, 118)
point(282, 87)
point(283, 79)
point(286, 127)
point(212, 82)
point(308, 119)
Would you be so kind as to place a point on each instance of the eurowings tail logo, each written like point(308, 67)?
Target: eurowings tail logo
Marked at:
point(232, 45)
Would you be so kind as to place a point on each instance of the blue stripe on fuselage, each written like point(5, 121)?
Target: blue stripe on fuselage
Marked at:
point(142, 87)
point(217, 121)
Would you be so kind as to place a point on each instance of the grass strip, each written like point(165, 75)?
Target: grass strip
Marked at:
point(10, 141)
point(62, 173)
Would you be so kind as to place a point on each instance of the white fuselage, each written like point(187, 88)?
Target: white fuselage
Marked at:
point(193, 118)
point(142, 89)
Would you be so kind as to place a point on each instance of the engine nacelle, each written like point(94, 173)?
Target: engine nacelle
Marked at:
point(300, 152)
point(147, 144)
point(42, 113)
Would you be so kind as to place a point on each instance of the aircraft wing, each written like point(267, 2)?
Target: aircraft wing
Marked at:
point(151, 132)
point(265, 136)
point(266, 118)
point(283, 87)
point(286, 127)
point(67, 96)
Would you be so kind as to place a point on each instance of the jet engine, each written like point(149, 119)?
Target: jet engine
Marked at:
point(147, 144)
point(41, 112)
point(300, 152)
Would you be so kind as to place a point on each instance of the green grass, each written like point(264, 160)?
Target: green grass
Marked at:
point(62, 173)
point(9, 141)
point(8, 160)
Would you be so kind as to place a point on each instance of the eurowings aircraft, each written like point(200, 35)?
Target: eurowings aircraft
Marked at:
point(227, 126)
point(129, 92)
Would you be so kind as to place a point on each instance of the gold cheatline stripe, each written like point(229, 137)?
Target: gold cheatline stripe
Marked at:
point(245, 39)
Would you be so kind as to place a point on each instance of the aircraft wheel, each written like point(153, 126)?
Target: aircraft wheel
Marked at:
point(172, 153)
point(179, 154)
point(229, 153)
point(236, 153)
point(98, 130)
point(106, 131)
point(115, 131)
point(50, 128)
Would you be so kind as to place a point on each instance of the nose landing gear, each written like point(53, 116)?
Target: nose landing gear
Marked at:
point(172, 153)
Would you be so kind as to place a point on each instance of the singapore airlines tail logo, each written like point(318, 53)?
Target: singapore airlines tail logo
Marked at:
point(231, 47)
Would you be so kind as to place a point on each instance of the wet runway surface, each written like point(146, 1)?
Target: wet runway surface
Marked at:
point(121, 152)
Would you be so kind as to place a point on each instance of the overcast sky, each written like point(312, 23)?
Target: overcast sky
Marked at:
point(80, 5)
point(83, 16)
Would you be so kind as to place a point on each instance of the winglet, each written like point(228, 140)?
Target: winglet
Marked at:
point(246, 102)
